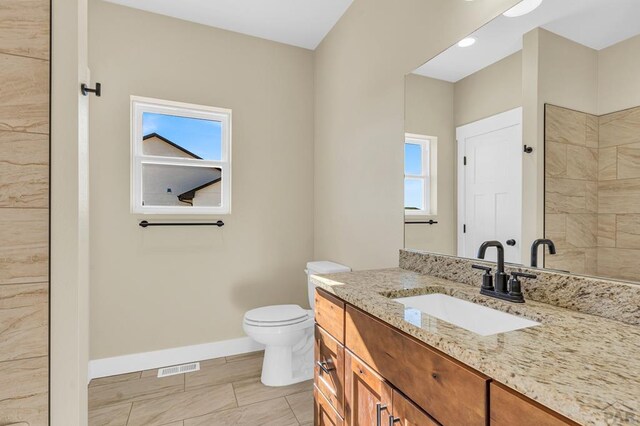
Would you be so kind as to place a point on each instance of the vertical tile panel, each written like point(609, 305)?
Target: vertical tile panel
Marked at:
point(24, 94)
point(24, 170)
point(24, 251)
point(24, 28)
point(23, 321)
point(23, 391)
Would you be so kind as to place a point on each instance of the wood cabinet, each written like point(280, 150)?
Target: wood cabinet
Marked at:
point(367, 394)
point(373, 374)
point(510, 408)
point(329, 368)
point(323, 412)
point(450, 392)
point(329, 313)
point(406, 413)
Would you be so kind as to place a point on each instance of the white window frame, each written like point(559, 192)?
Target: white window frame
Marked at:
point(425, 143)
point(140, 105)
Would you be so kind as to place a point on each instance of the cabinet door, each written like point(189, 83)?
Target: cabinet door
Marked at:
point(367, 395)
point(329, 369)
point(406, 413)
point(323, 412)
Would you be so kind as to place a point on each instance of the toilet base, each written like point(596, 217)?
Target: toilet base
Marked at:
point(284, 365)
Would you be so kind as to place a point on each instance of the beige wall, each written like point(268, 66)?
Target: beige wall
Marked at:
point(169, 287)
point(69, 215)
point(429, 111)
point(618, 76)
point(359, 125)
point(490, 91)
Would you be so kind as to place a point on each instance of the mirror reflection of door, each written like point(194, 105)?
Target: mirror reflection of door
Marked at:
point(490, 184)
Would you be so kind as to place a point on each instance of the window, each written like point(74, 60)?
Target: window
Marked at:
point(417, 176)
point(181, 158)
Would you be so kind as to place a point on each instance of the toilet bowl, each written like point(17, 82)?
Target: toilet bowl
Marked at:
point(286, 331)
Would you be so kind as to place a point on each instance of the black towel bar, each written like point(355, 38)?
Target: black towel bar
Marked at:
point(428, 222)
point(219, 224)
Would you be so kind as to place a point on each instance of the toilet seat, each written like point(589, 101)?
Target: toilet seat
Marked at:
point(276, 316)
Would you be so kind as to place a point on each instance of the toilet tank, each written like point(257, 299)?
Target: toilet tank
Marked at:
point(321, 267)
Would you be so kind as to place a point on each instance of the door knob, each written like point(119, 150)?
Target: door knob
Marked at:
point(511, 242)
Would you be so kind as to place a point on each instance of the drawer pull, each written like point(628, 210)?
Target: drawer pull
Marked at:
point(379, 408)
point(393, 420)
point(324, 366)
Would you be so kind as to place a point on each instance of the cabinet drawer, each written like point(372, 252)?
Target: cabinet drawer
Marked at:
point(330, 314)
point(323, 412)
point(451, 393)
point(408, 414)
point(510, 408)
point(330, 379)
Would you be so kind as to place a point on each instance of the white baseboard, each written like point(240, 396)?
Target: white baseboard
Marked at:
point(167, 357)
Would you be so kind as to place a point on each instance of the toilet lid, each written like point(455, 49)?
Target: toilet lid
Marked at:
point(277, 314)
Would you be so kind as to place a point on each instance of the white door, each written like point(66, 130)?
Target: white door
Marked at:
point(490, 185)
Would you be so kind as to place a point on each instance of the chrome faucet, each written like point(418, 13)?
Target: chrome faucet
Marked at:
point(511, 290)
point(534, 249)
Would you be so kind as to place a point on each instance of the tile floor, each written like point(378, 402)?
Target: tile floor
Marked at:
point(226, 391)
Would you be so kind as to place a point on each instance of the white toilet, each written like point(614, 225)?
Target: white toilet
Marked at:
point(287, 333)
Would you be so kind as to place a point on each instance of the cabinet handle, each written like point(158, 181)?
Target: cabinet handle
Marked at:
point(393, 420)
point(324, 366)
point(379, 408)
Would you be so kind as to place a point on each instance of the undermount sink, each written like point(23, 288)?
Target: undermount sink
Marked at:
point(470, 316)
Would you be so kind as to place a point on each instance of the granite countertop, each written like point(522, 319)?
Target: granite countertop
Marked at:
point(582, 366)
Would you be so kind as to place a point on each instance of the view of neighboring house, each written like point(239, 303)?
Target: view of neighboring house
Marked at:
point(170, 185)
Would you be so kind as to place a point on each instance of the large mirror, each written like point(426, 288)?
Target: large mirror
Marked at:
point(529, 129)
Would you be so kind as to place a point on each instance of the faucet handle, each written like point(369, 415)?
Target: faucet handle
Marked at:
point(523, 275)
point(487, 279)
point(515, 288)
point(486, 269)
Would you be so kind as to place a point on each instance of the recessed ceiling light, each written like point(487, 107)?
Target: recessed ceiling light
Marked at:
point(466, 42)
point(522, 8)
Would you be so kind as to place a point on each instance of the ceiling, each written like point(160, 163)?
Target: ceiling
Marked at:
point(594, 23)
point(302, 23)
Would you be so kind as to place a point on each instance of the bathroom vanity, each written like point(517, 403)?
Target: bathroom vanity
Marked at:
point(379, 362)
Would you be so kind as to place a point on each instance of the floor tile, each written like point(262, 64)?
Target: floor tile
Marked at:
point(211, 374)
point(176, 407)
point(134, 390)
point(252, 390)
point(268, 413)
point(114, 379)
point(113, 415)
point(302, 406)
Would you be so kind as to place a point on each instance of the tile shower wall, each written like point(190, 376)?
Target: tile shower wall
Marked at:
point(619, 195)
point(592, 194)
point(571, 189)
point(24, 211)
